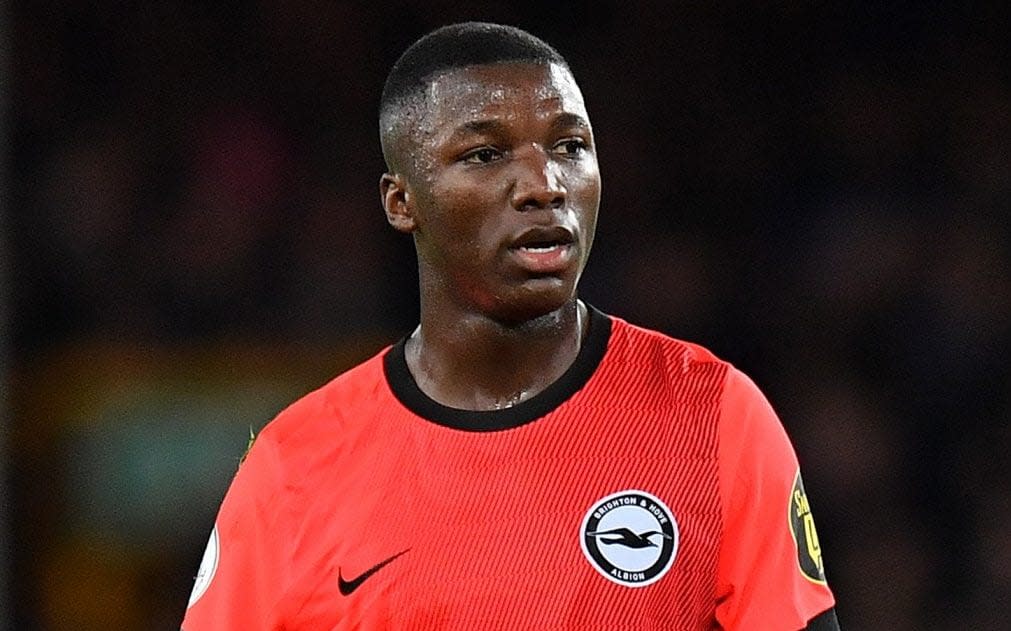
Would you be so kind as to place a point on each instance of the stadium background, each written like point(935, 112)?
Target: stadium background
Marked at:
point(193, 238)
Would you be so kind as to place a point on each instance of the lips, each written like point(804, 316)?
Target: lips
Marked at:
point(543, 237)
point(543, 250)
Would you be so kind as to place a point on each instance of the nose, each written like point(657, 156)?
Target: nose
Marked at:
point(538, 180)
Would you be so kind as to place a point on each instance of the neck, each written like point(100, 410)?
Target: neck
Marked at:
point(470, 361)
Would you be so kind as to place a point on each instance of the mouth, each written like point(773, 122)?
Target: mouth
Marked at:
point(543, 239)
point(544, 250)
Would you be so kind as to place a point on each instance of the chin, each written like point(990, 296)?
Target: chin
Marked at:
point(535, 299)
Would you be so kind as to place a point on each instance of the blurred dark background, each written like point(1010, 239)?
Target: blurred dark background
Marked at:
point(193, 238)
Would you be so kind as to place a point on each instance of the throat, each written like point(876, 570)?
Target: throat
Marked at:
point(510, 401)
point(479, 368)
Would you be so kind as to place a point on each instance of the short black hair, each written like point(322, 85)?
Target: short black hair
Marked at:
point(453, 47)
point(461, 45)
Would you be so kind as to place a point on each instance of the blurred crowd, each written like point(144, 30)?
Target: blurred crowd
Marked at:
point(196, 239)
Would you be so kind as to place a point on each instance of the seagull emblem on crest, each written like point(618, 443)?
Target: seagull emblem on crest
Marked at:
point(627, 538)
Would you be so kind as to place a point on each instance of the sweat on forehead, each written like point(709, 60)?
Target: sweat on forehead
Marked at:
point(445, 49)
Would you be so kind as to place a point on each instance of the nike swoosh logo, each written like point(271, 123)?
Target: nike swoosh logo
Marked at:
point(347, 587)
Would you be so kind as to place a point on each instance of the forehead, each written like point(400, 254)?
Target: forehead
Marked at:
point(504, 90)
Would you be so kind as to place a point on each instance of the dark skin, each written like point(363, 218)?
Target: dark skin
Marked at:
point(499, 187)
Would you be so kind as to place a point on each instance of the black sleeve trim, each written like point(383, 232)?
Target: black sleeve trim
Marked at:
point(825, 621)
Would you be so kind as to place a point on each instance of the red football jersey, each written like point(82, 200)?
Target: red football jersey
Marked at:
point(650, 487)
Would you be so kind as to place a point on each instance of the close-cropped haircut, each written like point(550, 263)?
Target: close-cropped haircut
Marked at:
point(449, 48)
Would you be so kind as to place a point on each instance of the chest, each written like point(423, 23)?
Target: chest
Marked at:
point(607, 525)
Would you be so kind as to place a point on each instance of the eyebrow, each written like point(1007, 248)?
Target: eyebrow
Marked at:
point(568, 119)
point(490, 126)
point(479, 127)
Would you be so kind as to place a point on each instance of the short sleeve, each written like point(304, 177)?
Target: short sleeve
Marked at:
point(771, 572)
point(241, 574)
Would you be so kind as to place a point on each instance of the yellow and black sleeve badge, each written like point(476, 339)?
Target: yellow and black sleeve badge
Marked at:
point(812, 566)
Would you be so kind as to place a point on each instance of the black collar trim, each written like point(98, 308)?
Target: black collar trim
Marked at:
point(406, 389)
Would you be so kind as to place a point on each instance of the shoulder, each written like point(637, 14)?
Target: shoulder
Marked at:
point(756, 456)
point(662, 356)
point(633, 338)
point(350, 389)
point(694, 372)
point(748, 419)
point(636, 343)
point(321, 417)
point(633, 345)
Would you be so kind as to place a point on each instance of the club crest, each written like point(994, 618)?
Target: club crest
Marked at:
point(630, 537)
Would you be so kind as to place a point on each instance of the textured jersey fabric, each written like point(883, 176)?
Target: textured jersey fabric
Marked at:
point(651, 487)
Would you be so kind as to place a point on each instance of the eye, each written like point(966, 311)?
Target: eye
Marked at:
point(570, 147)
point(482, 155)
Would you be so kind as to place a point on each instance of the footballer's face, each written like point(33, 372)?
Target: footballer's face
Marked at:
point(502, 189)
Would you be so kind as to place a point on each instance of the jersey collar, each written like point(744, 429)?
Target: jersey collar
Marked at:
point(406, 389)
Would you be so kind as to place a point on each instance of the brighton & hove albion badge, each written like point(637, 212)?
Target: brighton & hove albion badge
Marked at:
point(630, 537)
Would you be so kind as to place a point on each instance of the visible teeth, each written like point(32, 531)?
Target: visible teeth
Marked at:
point(538, 248)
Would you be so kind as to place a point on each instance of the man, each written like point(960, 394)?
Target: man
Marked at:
point(521, 460)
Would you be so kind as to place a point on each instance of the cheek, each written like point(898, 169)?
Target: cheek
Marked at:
point(584, 178)
point(455, 219)
point(591, 192)
point(585, 188)
point(585, 191)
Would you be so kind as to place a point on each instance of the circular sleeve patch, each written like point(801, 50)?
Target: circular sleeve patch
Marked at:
point(208, 566)
point(809, 558)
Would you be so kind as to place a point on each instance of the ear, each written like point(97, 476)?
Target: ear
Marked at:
point(397, 202)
